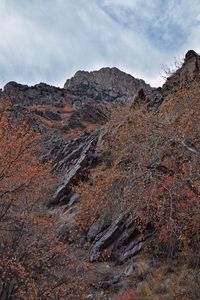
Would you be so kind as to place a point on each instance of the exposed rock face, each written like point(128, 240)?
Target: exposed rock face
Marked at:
point(75, 158)
point(121, 237)
point(101, 224)
point(152, 99)
point(54, 108)
point(187, 74)
point(107, 84)
point(39, 94)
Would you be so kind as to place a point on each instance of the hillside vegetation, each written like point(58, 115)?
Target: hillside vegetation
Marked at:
point(100, 188)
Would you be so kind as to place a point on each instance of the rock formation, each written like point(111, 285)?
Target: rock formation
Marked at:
point(107, 85)
point(186, 75)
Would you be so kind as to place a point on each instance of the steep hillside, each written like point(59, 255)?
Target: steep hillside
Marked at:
point(124, 220)
point(70, 117)
point(145, 193)
point(82, 104)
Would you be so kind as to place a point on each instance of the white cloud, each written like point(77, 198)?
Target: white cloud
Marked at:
point(50, 40)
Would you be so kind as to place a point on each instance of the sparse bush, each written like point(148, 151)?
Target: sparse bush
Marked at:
point(128, 295)
point(170, 70)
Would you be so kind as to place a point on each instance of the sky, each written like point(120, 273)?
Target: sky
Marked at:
point(49, 40)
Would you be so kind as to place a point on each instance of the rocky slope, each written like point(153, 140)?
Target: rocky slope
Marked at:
point(131, 178)
point(53, 108)
point(69, 116)
point(144, 192)
point(83, 102)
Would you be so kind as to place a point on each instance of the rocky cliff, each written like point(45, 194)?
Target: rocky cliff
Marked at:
point(188, 74)
point(107, 85)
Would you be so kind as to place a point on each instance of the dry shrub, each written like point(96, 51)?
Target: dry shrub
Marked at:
point(129, 295)
point(34, 264)
point(150, 167)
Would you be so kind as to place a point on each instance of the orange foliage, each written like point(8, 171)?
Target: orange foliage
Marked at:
point(129, 295)
point(34, 263)
point(150, 167)
point(68, 109)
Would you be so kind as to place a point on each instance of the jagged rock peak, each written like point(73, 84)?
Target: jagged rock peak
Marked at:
point(191, 54)
point(191, 66)
point(24, 92)
point(107, 84)
point(188, 73)
point(103, 71)
point(12, 85)
point(105, 76)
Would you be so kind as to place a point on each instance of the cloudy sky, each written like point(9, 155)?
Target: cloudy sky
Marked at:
point(49, 40)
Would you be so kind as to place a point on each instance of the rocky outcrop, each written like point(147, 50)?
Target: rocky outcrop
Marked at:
point(39, 94)
point(100, 225)
point(109, 281)
point(152, 99)
point(187, 74)
point(54, 109)
point(91, 112)
point(121, 238)
point(107, 85)
point(75, 157)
